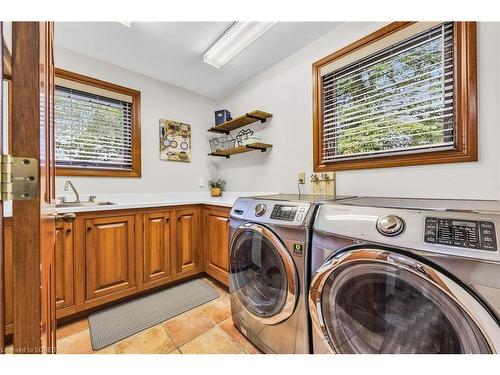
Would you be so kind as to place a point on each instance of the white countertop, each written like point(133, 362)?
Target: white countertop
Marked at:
point(142, 200)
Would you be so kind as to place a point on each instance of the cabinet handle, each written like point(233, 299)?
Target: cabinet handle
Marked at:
point(68, 230)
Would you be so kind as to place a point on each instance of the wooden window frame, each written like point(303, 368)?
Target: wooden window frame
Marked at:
point(465, 105)
point(136, 128)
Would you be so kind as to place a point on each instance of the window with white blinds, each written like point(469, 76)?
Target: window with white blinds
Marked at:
point(398, 100)
point(92, 131)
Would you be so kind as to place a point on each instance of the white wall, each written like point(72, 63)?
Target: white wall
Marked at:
point(158, 100)
point(286, 90)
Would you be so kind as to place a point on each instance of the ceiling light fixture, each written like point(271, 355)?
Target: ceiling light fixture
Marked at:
point(128, 24)
point(238, 37)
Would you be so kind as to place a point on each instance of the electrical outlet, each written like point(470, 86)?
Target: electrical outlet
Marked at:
point(302, 178)
point(323, 184)
point(327, 176)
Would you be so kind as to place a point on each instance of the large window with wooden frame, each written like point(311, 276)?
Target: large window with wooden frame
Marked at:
point(97, 127)
point(403, 95)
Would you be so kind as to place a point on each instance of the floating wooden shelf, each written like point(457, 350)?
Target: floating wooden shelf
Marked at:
point(240, 121)
point(238, 150)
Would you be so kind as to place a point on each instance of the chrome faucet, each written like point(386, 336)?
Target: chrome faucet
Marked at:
point(68, 185)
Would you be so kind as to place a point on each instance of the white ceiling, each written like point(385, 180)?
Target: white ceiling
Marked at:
point(172, 51)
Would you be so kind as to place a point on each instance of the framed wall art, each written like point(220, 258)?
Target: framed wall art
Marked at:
point(175, 141)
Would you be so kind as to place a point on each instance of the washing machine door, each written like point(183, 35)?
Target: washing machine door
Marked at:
point(262, 274)
point(373, 300)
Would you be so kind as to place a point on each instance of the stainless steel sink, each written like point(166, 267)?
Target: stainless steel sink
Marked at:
point(83, 204)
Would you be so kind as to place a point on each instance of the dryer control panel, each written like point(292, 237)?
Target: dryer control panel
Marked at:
point(284, 213)
point(461, 233)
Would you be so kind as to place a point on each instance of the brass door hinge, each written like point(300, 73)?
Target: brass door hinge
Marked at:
point(19, 178)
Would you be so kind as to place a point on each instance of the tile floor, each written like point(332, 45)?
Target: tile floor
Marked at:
point(207, 329)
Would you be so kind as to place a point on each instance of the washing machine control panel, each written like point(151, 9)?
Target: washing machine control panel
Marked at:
point(469, 234)
point(284, 212)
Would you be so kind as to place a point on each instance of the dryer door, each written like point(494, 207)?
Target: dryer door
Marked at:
point(262, 274)
point(373, 300)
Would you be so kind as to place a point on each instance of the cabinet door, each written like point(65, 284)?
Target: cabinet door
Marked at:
point(188, 241)
point(64, 265)
point(109, 256)
point(8, 276)
point(157, 252)
point(216, 244)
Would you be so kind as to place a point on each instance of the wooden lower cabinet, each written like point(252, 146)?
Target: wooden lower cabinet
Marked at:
point(157, 254)
point(109, 256)
point(188, 242)
point(216, 239)
point(8, 276)
point(64, 266)
point(105, 256)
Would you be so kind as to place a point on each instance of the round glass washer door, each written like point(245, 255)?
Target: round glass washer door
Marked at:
point(375, 301)
point(262, 274)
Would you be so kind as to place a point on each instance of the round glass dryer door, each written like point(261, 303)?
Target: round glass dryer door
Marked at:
point(374, 301)
point(263, 275)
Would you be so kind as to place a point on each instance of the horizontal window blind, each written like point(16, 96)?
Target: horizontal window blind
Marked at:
point(396, 101)
point(92, 131)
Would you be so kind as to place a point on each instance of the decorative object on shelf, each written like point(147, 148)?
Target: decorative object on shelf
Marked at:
point(262, 147)
point(222, 143)
point(217, 185)
point(222, 116)
point(244, 137)
point(238, 122)
point(226, 146)
point(175, 141)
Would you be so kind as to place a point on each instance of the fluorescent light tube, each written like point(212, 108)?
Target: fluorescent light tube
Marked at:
point(238, 37)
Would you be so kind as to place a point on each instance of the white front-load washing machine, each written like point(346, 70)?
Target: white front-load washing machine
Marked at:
point(268, 271)
point(405, 276)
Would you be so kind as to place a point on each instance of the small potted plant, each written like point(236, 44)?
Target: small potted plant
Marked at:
point(217, 185)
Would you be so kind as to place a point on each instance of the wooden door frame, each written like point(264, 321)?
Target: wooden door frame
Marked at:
point(33, 220)
point(2, 286)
